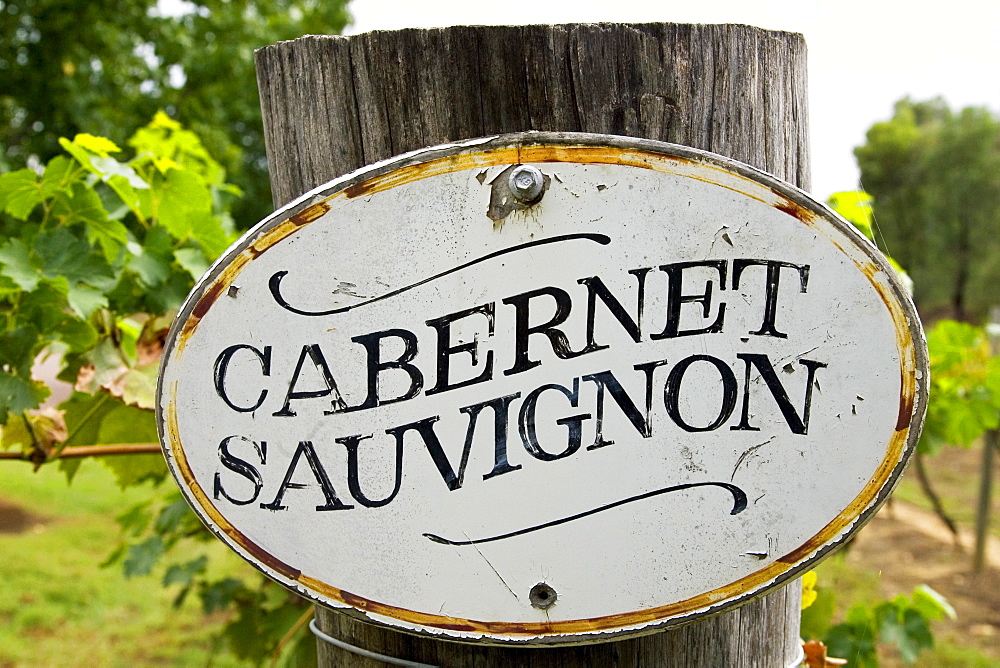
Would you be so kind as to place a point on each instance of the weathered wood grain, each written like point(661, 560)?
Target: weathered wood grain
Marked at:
point(333, 104)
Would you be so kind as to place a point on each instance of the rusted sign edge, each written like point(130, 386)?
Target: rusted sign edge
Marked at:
point(538, 147)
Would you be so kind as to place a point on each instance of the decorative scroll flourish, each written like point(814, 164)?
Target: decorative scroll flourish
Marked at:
point(275, 283)
point(739, 505)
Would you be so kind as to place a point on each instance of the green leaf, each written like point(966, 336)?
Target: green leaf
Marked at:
point(817, 617)
point(219, 595)
point(210, 235)
point(256, 632)
point(62, 254)
point(140, 559)
point(110, 235)
point(854, 641)
point(82, 155)
point(59, 175)
point(184, 574)
point(18, 395)
point(193, 261)
point(97, 145)
point(170, 295)
point(135, 520)
point(150, 269)
point(84, 300)
point(18, 348)
point(123, 181)
point(109, 168)
point(861, 617)
point(81, 204)
point(14, 435)
point(125, 424)
point(301, 652)
point(8, 288)
point(45, 307)
point(79, 335)
point(172, 515)
point(856, 207)
point(116, 555)
point(907, 630)
point(136, 469)
point(83, 414)
point(184, 202)
point(931, 604)
point(151, 261)
point(139, 387)
point(17, 265)
point(19, 193)
point(70, 467)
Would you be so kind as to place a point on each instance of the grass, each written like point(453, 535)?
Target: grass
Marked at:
point(58, 607)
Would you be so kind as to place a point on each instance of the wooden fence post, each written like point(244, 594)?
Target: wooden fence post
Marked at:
point(334, 104)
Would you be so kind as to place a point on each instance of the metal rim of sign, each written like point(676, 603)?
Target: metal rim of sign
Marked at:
point(544, 147)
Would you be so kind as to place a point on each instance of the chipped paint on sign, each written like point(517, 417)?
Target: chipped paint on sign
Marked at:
point(596, 415)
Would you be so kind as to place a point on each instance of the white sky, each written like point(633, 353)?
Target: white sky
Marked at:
point(863, 55)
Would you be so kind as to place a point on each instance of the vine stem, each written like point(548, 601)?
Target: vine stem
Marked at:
point(76, 430)
point(925, 485)
point(287, 638)
point(76, 452)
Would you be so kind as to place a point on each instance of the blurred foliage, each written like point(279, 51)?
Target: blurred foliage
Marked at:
point(95, 256)
point(268, 624)
point(105, 66)
point(934, 175)
point(97, 253)
point(964, 393)
point(965, 387)
point(855, 206)
point(901, 622)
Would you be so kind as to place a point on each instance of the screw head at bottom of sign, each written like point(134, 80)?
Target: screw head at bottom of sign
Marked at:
point(542, 596)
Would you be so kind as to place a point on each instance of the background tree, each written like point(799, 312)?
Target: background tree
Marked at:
point(106, 66)
point(935, 178)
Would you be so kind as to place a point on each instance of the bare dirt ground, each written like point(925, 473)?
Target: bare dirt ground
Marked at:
point(910, 546)
point(14, 519)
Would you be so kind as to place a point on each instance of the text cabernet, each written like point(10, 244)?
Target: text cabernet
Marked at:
point(540, 315)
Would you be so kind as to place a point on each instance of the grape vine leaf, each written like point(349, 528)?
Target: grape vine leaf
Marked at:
point(19, 193)
point(141, 558)
point(193, 261)
point(19, 394)
point(59, 174)
point(15, 257)
point(125, 424)
point(184, 203)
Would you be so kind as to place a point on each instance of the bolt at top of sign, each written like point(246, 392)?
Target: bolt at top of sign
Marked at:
point(526, 183)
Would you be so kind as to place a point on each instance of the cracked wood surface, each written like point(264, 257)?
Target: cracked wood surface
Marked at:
point(333, 104)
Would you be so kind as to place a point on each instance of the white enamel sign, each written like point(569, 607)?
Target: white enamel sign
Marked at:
point(667, 386)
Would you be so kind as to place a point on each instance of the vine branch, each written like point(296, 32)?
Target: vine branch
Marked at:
point(76, 452)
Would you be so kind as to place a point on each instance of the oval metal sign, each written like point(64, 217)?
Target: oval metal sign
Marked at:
point(626, 385)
